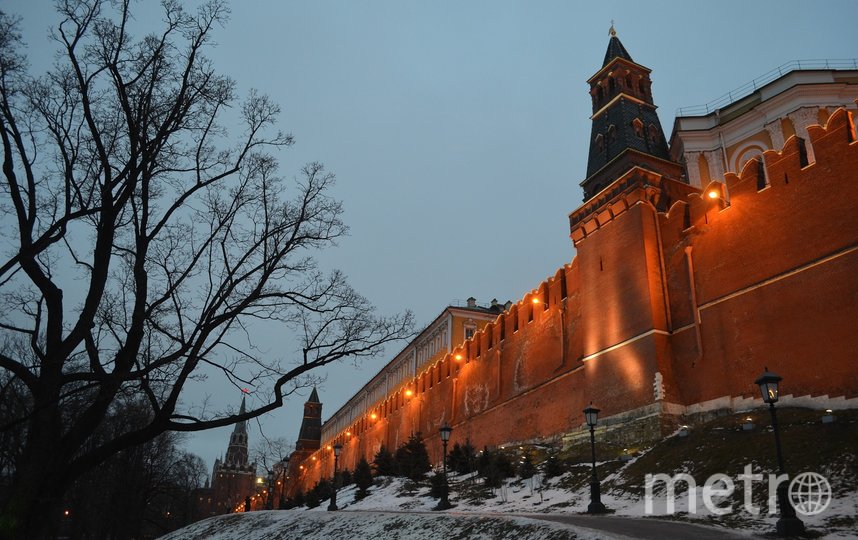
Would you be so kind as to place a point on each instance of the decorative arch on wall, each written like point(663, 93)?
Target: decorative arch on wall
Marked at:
point(745, 153)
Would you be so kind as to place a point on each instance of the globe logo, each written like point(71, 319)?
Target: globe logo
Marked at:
point(810, 493)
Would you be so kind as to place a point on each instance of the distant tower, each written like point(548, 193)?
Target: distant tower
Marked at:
point(233, 477)
point(626, 130)
point(309, 440)
point(310, 436)
point(236, 453)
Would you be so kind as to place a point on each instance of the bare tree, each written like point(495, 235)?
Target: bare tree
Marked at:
point(268, 452)
point(149, 243)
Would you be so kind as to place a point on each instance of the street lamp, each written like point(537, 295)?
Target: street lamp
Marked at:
point(591, 416)
point(284, 466)
point(788, 524)
point(269, 502)
point(444, 503)
point(333, 506)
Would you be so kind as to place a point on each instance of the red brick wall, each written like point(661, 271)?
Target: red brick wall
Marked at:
point(800, 320)
point(775, 281)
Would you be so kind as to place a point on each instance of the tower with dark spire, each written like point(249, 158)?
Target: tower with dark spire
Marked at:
point(309, 440)
point(625, 130)
point(236, 452)
point(310, 436)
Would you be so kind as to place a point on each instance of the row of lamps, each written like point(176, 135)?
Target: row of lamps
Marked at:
point(788, 523)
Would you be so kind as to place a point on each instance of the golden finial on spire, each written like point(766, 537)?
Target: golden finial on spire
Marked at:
point(612, 32)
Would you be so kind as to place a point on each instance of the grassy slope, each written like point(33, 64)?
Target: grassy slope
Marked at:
point(721, 446)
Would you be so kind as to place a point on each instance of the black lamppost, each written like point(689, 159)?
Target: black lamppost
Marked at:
point(788, 524)
point(284, 465)
point(269, 501)
point(444, 503)
point(333, 506)
point(591, 416)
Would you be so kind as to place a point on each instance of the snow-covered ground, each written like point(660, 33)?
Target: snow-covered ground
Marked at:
point(295, 524)
point(538, 495)
point(399, 508)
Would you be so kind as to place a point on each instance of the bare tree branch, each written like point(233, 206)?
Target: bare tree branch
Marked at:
point(148, 241)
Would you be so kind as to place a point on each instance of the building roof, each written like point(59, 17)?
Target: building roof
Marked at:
point(314, 396)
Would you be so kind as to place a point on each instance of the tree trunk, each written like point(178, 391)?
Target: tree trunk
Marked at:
point(41, 478)
point(34, 503)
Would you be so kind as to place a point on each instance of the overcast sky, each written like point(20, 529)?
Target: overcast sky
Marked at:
point(458, 130)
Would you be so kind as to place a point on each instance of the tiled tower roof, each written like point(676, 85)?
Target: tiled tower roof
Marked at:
point(616, 50)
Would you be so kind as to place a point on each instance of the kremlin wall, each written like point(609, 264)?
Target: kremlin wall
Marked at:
point(679, 294)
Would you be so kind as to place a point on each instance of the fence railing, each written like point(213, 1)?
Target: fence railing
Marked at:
point(762, 80)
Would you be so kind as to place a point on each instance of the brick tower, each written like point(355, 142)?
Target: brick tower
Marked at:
point(233, 477)
point(309, 440)
point(630, 179)
point(310, 436)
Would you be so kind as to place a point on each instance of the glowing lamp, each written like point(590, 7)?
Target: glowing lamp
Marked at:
point(373, 416)
point(458, 358)
point(536, 301)
point(409, 393)
point(713, 194)
point(768, 383)
point(591, 415)
point(348, 433)
point(445, 432)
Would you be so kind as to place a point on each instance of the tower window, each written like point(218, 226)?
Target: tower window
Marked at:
point(638, 126)
point(612, 133)
point(600, 142)
point(653, 134)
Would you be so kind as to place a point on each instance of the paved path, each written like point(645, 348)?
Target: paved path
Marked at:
point(628, 527)
point(645, 528)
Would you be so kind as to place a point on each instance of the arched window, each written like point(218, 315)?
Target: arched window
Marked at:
point(638, 126)
point(600, 142)
point(653, 134)
point(612, 133)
